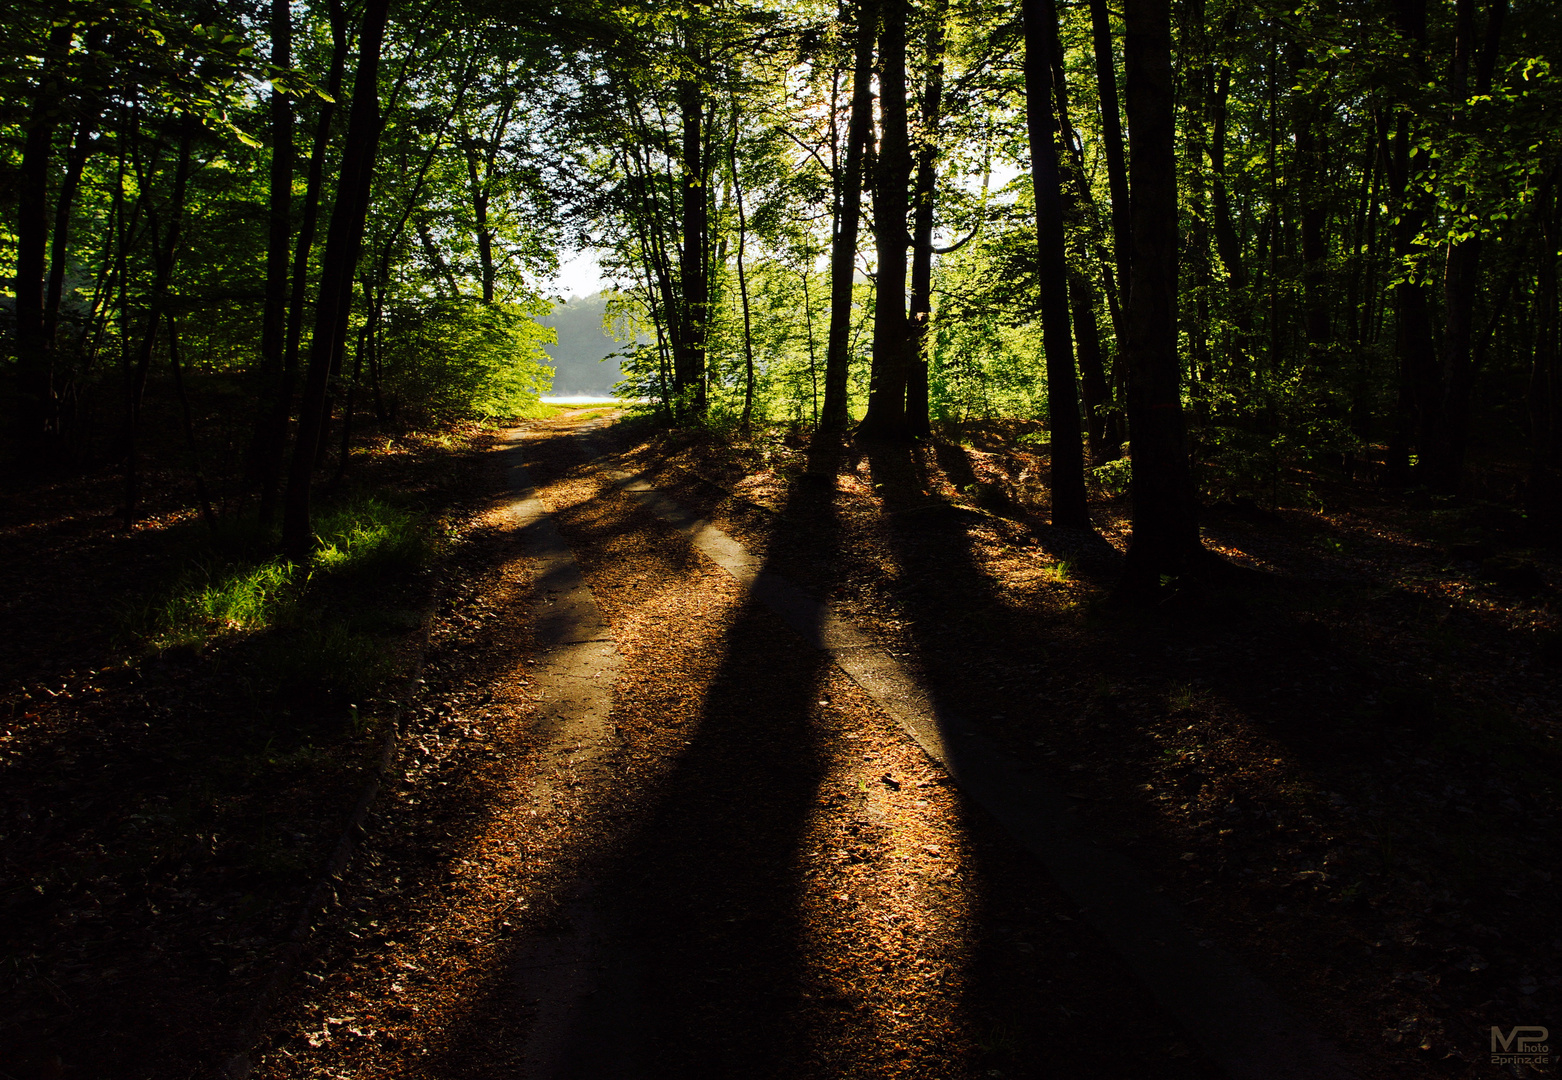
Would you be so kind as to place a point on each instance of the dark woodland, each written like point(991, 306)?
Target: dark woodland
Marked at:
point(1131, 643)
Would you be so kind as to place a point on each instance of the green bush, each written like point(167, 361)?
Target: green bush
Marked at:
point(447, 358)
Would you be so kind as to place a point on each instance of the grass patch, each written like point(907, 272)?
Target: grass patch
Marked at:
point(327, 626)
point(368, 537)
point(216, 599)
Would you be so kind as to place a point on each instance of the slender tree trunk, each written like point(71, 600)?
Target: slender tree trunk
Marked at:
point(748, 326)
point(1227, 245)
point(1416, 419)
point(365, 342)
point(925, 190)
point(165, 250)
point(694, 311)
point(1365, 285)
point(1165, 511)
point(343, 241)
point(273, 326)
point(1112, 138)
point(886, 416)
point(1100, 422)
point(271, 434)
point(808, 320)
point(843, 254)
point(1068, 458)
point(35, 369)
point(1461, 277)
point(1544, 497)
point(81, 149)
point(1315, 241)
point(482, 192)
point(191, 446)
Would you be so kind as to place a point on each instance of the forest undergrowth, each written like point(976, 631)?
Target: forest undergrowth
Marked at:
point(1343, 762)
point(187, 719)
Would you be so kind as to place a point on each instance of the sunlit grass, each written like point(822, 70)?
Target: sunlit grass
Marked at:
point(368, 536)
point(215, 600)
point(1059, 573)
point(325, 621)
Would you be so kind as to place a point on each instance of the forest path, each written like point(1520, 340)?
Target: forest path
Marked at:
point(735, 862)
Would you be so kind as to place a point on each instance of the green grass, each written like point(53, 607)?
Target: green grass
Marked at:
point(368, 537)
point(328, 625)
point(217, 599)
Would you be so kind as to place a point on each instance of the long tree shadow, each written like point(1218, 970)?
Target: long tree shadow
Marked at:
point(991, 665)
point(676, 951)
point(1173, 713)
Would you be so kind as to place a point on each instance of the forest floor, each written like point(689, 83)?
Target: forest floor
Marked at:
point(1343, 772)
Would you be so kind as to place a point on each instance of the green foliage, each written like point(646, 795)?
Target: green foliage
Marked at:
point(1114, 476)
point(447, 358)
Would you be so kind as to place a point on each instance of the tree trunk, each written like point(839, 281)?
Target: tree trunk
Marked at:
point(748, 326)
point(188, 421)
point(271, 434)
point(694, 310)
point(843, 253)
point(886, 416)
point(1101, 424)
point(273, 327)
point(924, 193)
point(1461, 278)
point(1227, 244)
point(1068, 459)
point(165, 250)
point(1112, 139)
point(343, 241)
point(1165, 512)
point(482, 193)
point(81, 149)
point(35, 375)
point(1416, 417)
point(1544, 498)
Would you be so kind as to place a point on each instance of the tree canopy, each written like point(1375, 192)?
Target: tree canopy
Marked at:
point(1222, 239)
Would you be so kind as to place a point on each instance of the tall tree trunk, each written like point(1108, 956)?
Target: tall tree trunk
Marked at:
point(165, 250)
point(1068, 457)
point(693, 311)
point(1165, 510)
point(748, 326)
point(886, 416)
point(924, 191)
point(1416, 417)
point(843, 252)
point(271, 430)
point(82, 146)
point(1112, 138)
point(1544, 497)
point(1101, 425)
point(1227, 245)
point(482, 193)
point(808, 321)
point(188, 421)
point(273, 327)
point(1315, 240)
point(342, 244)
point(35, 374)
point(1461, 276)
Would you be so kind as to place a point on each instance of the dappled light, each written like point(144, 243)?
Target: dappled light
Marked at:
point(882, 538)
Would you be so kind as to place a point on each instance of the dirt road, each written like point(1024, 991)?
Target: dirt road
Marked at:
point(665, 833)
